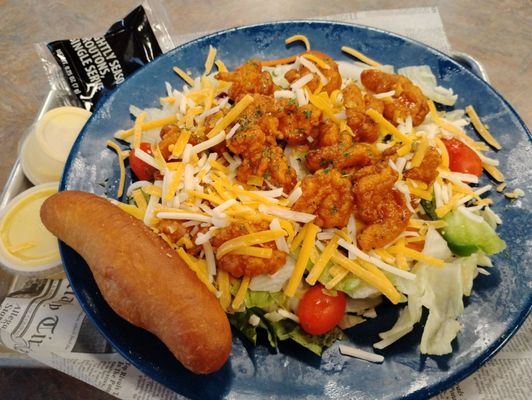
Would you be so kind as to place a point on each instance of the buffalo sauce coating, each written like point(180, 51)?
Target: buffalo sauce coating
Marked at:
point(239, 265)
point(347, 175)
point(407, 100)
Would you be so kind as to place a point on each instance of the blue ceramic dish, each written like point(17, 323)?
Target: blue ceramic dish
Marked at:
point(499, 303)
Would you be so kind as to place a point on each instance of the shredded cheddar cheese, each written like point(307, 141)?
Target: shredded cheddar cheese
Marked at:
point(209, 62)
point(298, 38)
point(481, 128)
point(241, 293)
point(231, 115)
point(183, 75)
point(301, 263)
point(319, 266)
point(357, 54)
point(121, 165)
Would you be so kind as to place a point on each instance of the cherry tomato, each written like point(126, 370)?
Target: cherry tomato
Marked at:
point(319, 312)
point(141, 170)
point(462, 158)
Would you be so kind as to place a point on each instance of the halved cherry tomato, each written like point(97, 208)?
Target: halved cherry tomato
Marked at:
point(141, 170)
point(462, 158)
point(320, 312)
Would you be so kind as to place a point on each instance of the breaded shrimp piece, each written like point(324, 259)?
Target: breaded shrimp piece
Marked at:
point(340, 156)
point(298, 125)
point(377, 204)
point(247, 142)
point(407, 100)
point(326, 194)
point(239, 265)
point(262, 113)
point(248, 78)
point(169, 134)
point(329, 133)
point(356, 104)
point(271, 164)
point(428, 169)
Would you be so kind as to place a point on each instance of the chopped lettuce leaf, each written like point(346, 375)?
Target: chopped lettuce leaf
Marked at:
point(288, 329)
point(276, 281)
point(441, 291)
point(436, 246)
point(264, 300)
point(240, 321)
point(422, 76)
point(283, 330)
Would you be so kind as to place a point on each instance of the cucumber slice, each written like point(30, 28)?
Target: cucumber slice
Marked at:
point(465, 236)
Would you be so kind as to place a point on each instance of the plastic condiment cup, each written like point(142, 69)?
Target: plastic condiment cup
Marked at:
point(26, 246)
point(45, 150)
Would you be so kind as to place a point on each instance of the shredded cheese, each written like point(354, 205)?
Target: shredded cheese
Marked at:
point(137, 129)
point(249, 240)
point(324, 258)
point(193, 265)
point(220, 65)
point(316, 60)
point(494, 172)
point(387, 125)
point(357, 54)
point(481, 128)
point(382, 285)
point(416, 255)
point(302, 260)
point(357, 353)
point(122, 179)
point(231, 115)
point(386, 267)
point(146, 126)
point(298, 38)
point(224, 286)
point(260, 252)
point(209, 62)
point(241, 293)
point(183, 75)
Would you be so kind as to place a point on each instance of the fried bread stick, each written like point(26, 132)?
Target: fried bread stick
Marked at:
point(142, 278)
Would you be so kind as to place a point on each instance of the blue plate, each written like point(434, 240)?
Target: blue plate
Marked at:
point(499, 303)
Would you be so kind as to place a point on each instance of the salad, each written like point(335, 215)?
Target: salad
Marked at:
point(305, 191)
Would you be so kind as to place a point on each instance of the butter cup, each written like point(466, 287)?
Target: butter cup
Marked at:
point(26, 246)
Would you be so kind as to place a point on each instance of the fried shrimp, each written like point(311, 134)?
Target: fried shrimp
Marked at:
point(407, 99)
point(363, 127)
point(248, 78)
point(428, 169)
point(271, 164)
point(341, 156)
point(243, 265)
point(298, 125)
point(327, 194)
point(377, 204)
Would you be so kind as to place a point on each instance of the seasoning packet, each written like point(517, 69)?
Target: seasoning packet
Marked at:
point(91, 66)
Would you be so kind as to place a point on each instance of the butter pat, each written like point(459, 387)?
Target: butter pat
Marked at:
point(26, 246)
point(45, 150)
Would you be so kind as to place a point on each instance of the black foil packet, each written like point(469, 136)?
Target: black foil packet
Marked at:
point(94, 65)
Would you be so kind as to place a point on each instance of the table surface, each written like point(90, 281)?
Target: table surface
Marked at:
point(495, 32)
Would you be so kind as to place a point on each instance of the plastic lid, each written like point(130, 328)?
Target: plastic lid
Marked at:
point(57, 130)
point(26, 246)
point(44, 152)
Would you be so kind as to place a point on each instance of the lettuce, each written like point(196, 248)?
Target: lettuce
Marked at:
point(283, 330)
point(266, 301)
point(423, 77)
point(440, 290)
